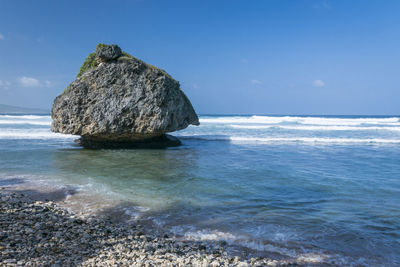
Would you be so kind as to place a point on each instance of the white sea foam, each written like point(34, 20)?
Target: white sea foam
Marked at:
point(253, 126)
point(25, 119)
point(380, 130)
point(135, 212)
point(8, 132)
point(215, 235)
point(30, 122)
point(317, 128)
point(316, 140)
point(25, 134)
point(312, 140)
point(301, 120)
point(31, 117)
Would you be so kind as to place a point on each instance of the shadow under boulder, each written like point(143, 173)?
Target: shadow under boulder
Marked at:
point(159, 142)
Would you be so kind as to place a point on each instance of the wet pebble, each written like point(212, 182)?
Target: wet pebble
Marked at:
point(36, 233)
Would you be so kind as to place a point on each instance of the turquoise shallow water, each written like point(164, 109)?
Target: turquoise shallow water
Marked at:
point(326, 189)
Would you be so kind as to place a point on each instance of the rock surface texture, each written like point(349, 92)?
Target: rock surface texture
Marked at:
point(118, 100)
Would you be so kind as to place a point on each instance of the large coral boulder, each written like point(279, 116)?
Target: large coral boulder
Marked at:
point(118, 100)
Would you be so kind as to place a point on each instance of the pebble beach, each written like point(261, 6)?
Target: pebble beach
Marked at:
point(41, 233)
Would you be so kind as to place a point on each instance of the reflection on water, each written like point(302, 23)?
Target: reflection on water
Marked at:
point(154, 178)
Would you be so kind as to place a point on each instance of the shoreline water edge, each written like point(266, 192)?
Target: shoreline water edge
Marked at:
point(42, 233)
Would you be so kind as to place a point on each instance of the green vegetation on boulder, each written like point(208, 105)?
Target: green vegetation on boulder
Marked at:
point(89, 63)
point(100, 46)
point(125, 57)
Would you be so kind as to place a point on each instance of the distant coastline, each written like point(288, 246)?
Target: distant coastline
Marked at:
point(7, 109)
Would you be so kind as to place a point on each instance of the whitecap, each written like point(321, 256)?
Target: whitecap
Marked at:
point(29, 122)
point(300, 120)
point(32, 117)
point(25, 134)
point(311, 140)
point(317, 128)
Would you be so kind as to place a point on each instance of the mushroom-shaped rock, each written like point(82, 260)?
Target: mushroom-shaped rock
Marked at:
point(120, 101)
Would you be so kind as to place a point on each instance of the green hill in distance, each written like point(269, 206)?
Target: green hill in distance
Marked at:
point(19, 110)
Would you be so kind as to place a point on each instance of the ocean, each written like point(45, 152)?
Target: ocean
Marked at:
point(324, 189)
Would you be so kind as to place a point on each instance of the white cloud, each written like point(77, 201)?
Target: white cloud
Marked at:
point(29, 82)
point(254, 81)
point(318, 83)
point(1, 37)
point(47, 83)
point(5, 85)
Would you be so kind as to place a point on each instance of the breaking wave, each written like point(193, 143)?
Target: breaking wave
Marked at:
point(25, 134)
point(240, 139)
point(301, 120)
point(29, 117)
point(317, 128)
point(30, 122)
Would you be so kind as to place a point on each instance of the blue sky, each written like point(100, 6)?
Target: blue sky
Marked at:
point(248, 57)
